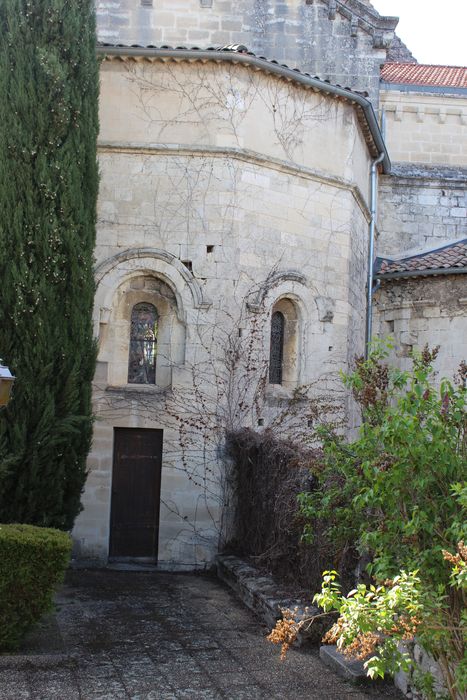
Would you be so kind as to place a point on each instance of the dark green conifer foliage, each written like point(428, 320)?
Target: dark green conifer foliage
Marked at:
point(48, 190)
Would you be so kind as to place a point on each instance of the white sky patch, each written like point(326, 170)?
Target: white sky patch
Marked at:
point(435, 32)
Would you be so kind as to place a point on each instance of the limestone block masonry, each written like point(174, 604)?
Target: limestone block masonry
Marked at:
point(344, 41)
point(421, 207)
point(426, 127)
point(423, 203)
point(223, 192)
point(265, 598)
point(228, 192)
point(419, 311)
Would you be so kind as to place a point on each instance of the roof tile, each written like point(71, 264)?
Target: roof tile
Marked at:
point(452, 255)
point(421, 74)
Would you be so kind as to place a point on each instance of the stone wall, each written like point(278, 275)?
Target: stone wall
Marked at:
point(421, 207)
point(344, 41)
point(423, 203)
point(424, 127)
point(425, 663)
point(429, 310)
point(235, 190)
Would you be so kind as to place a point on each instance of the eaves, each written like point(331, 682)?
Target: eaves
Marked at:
point(241, 56)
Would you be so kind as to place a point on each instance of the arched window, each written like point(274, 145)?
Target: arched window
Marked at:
point(143, 344)
point(276, 356)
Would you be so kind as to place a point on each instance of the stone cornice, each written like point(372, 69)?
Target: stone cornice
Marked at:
point(241, 56)
point(364, 17)
point(240, 154)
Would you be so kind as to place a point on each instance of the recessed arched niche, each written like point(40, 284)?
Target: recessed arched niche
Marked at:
point(144, 336)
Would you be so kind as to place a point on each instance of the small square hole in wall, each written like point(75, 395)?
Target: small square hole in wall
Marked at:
point(188, 264)
point(406, 350)
point(390, 326)
point(209, 249)
point(260, 421)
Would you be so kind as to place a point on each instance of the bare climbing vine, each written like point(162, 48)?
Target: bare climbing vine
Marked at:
point(192, 197)
point(223, 391)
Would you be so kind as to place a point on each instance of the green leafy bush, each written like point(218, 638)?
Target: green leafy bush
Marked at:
point(399, 492)
point(33, 561)
point(373, 620)
point(393, 489)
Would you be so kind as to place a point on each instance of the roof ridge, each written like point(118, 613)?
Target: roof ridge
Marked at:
point(421, 65)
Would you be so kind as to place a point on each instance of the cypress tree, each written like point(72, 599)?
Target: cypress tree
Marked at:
point(48, 191)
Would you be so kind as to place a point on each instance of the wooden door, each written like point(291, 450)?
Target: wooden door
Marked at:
point(136, 485)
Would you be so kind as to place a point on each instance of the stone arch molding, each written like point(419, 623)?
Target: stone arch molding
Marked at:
point(110, 273)
point(280, 283)
point(289, 292)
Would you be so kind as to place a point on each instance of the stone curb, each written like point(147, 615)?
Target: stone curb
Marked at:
point(352, 671)
point(263, 596)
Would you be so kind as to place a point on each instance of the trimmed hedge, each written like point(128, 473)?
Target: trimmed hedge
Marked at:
point(33, 561)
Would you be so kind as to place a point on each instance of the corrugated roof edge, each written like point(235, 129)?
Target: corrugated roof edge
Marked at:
point(238, 53)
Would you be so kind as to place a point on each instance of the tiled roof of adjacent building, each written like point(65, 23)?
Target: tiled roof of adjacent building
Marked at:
point(448, 259)
point(421, 74)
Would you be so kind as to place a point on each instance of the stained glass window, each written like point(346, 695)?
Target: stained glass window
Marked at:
point(143, 345)
point(276, 356)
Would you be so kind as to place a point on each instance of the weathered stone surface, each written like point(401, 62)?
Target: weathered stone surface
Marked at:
point(264, 597)
point(420, 311)
point(213, 178)
point(352, 671)
point(344, 41)
point(217, 185)
point(165, 637)
point(426, 127)
point(399, 53)
point(425, 664)
point(419, 207)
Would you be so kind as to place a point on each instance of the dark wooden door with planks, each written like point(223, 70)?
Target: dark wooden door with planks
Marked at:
point(136, 486)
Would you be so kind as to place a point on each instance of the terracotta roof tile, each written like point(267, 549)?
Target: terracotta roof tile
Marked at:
point(451, 256)
point(421, 74)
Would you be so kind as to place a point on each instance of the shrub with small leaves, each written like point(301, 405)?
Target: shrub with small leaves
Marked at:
point(373, 620)
point(33, 561)
point(399, 492)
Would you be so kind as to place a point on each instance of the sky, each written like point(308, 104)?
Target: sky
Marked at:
point(435, 32)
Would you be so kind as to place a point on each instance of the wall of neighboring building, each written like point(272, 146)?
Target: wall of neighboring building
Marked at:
point(423, 203)
point(238, 192)
point(344, 41)
point(424, 127)
point(421, 207)
point(419, 311)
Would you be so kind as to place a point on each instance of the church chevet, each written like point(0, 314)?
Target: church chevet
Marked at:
point(279, 181)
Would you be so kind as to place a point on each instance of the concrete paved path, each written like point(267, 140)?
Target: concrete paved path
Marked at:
point(154, 636)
